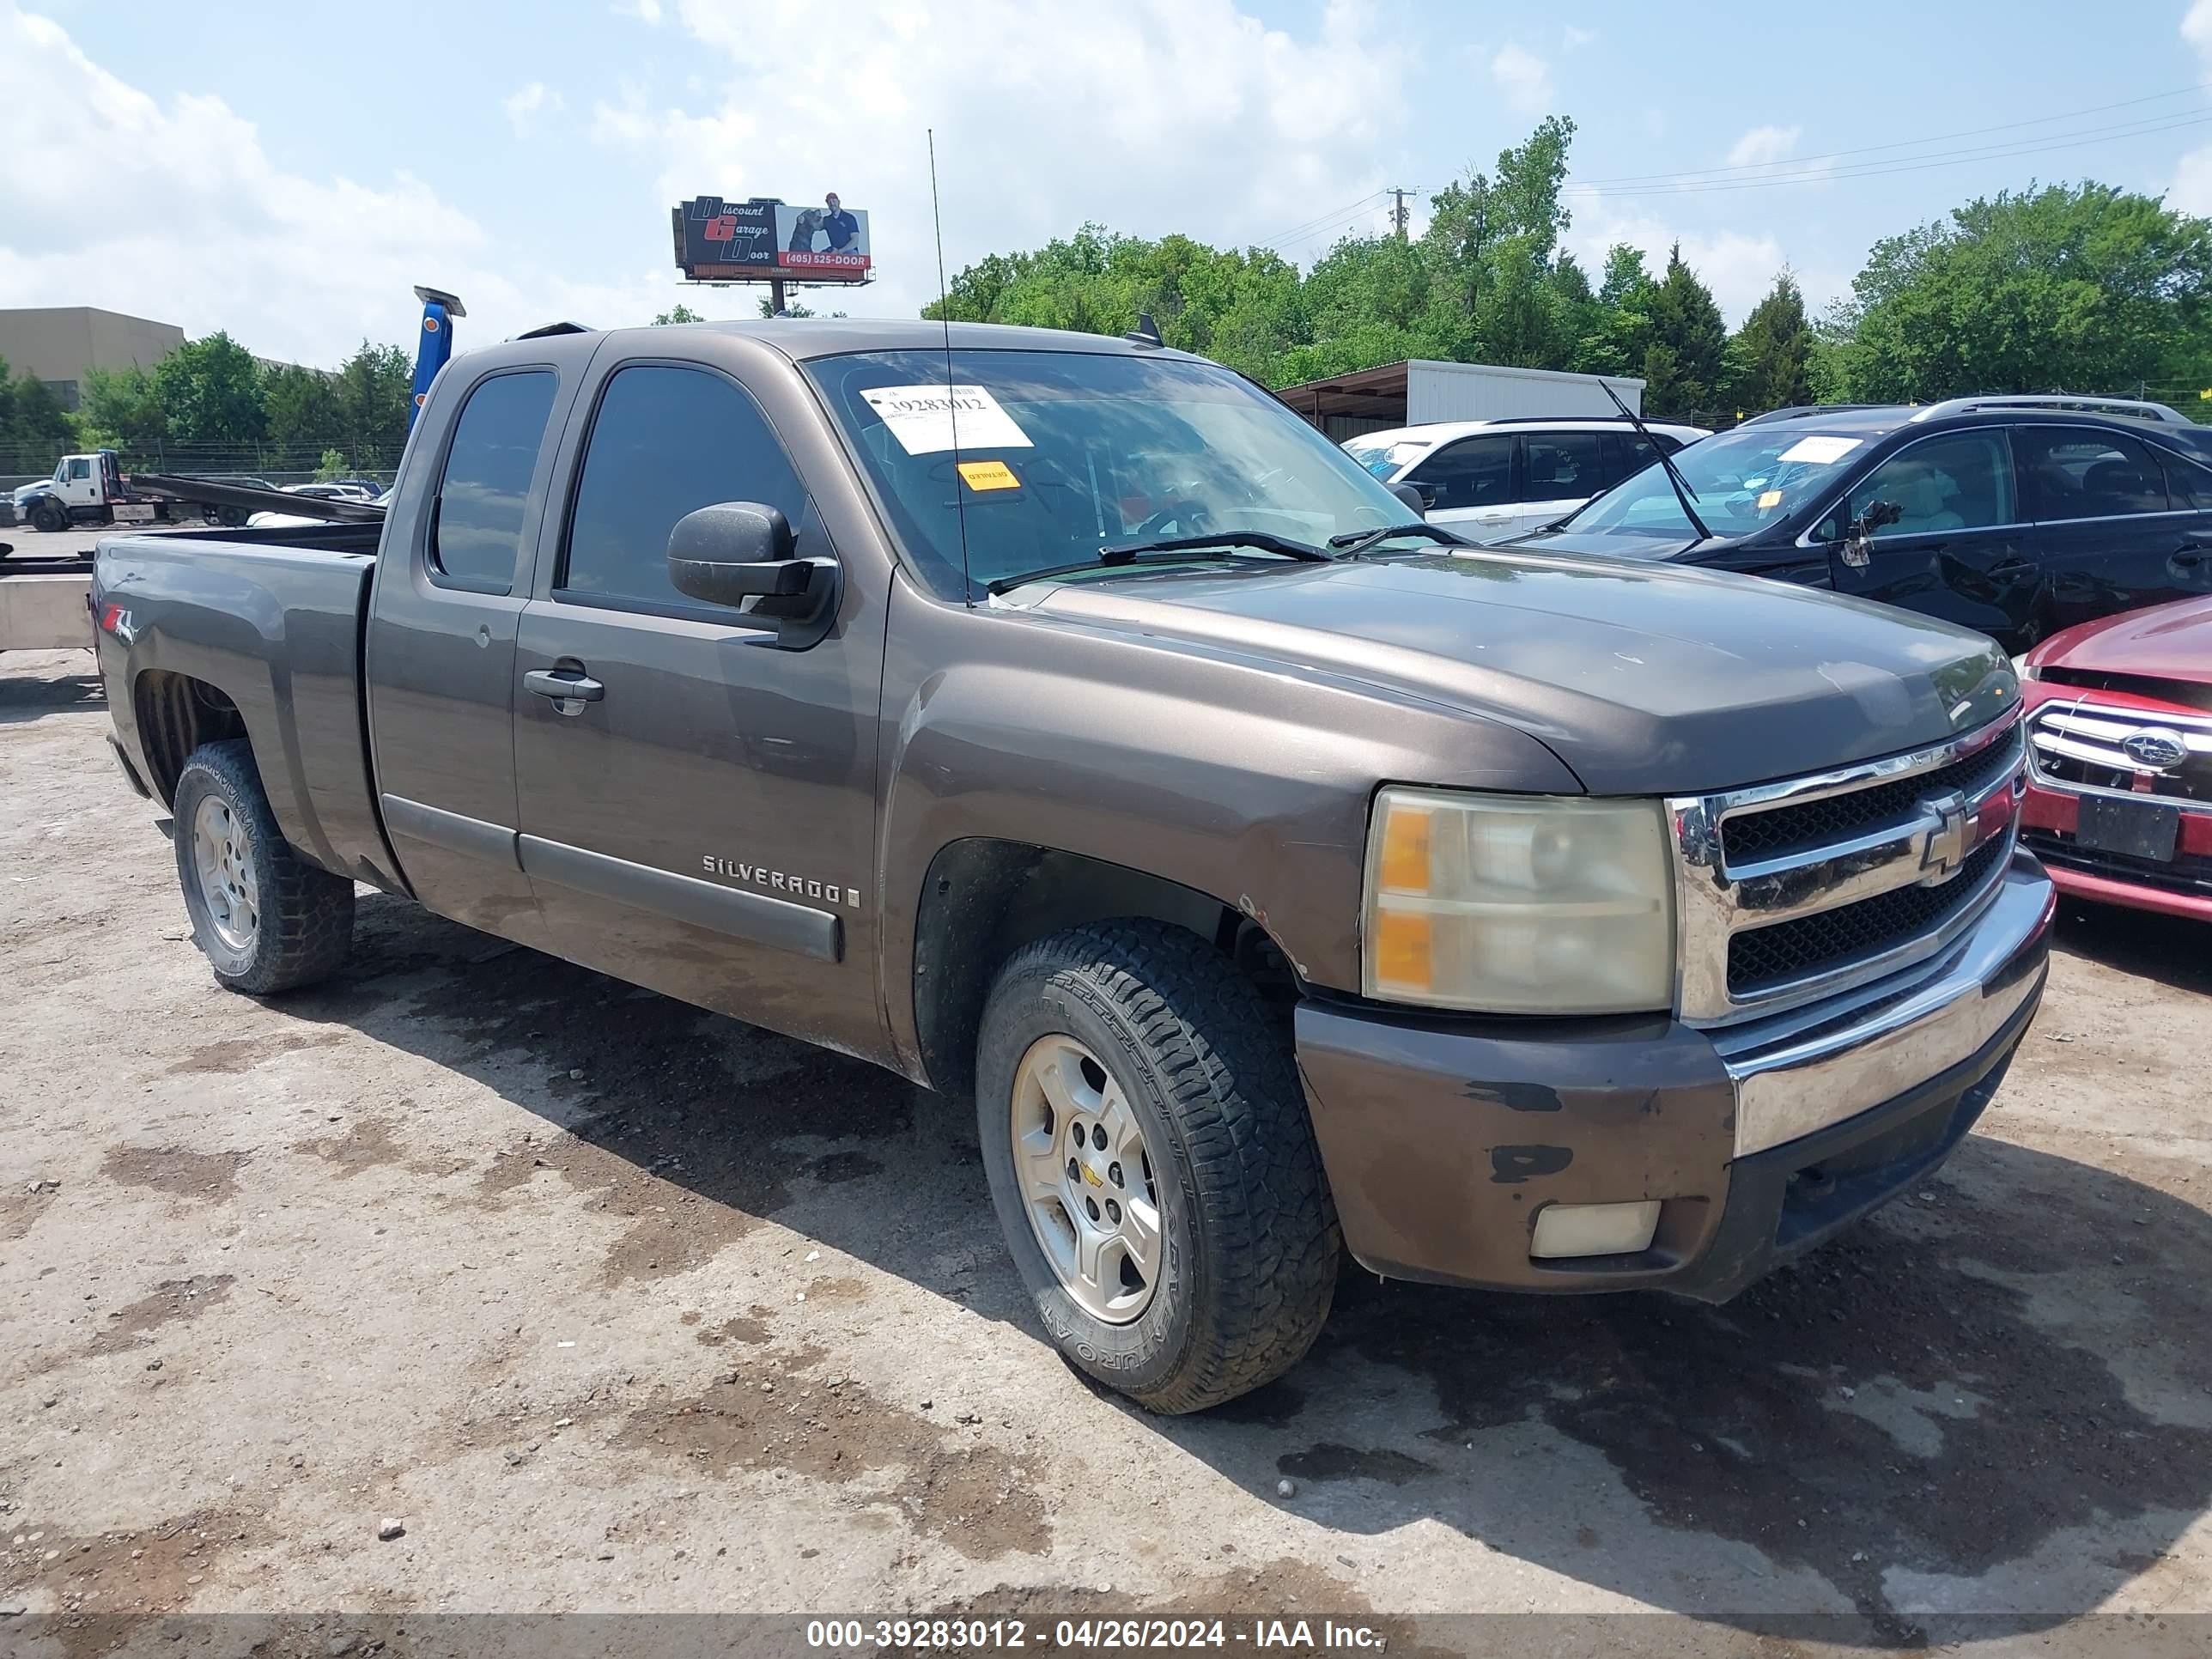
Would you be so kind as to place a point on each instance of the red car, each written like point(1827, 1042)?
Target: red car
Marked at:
point(2119, 729)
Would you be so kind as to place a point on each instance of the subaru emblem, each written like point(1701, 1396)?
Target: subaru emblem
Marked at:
point(2156, 748)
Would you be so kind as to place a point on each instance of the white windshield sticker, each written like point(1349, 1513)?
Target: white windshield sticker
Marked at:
point(1819, 451)
point(923, 418)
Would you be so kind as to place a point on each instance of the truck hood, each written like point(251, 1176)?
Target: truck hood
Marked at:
point(1644, 678)
point(2165, 643)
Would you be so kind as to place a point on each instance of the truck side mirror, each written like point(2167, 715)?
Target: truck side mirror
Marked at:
point(1417, 499)
point(733, 551)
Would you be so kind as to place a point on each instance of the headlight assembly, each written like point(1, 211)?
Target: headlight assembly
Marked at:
point(1518, 904)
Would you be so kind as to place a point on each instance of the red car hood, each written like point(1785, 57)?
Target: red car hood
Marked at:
point(2166, 643)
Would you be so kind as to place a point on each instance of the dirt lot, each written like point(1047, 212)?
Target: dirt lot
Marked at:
point(621, 1307)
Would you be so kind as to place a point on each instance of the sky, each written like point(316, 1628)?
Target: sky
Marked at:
point(289, 172)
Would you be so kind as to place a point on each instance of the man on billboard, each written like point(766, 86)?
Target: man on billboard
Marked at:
point(839, 226)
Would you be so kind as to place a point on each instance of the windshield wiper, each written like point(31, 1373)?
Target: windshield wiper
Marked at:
point(1682, 490)
point(1161, 552)
point(1350, 544)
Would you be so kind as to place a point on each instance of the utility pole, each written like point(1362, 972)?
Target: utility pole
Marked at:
point(1397, 195)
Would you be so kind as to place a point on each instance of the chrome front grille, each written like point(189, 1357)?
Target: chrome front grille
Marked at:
point(2088, 747)
point(1795, 890)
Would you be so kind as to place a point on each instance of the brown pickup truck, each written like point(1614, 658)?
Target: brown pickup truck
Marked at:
point(1061, 722)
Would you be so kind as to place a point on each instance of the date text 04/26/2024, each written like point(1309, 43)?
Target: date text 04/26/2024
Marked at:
point(1093, 1635)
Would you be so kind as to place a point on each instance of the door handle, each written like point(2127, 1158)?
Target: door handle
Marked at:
point(2190, 555)
point(563, 684)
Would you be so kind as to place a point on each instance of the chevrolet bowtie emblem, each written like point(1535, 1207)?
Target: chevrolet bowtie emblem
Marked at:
point(1091, 1176)
point(1946, 842)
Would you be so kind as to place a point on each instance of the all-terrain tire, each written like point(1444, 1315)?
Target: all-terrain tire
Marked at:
point(304, 926)
point(1250, 1241)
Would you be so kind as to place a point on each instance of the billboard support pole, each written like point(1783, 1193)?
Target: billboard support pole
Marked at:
point(776, 296)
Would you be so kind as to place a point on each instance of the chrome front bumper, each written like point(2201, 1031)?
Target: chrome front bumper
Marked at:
point(1801, 1072)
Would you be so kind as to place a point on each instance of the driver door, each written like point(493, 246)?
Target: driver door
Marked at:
point(1961, 549)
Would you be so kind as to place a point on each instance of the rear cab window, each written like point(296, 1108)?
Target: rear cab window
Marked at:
point(483, 492)
point(1472, 472)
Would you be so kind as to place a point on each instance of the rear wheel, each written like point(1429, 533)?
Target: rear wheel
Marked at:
point(266, 919)
point(1152, 1165)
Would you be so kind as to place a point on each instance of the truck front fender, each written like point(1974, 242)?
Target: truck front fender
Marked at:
point(1244, 781)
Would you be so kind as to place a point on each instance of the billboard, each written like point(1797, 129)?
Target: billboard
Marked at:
point(757, 240)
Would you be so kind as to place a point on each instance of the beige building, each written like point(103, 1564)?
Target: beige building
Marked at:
point(58, 344)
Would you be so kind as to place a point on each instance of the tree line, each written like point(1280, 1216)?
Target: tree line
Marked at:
point(211, 406)
point(2078, 288)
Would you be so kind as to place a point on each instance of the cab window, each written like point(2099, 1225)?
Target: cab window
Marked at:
point(79, 468)
point(1472, 472)
point(666, 441)
point(476, 533)
point(1960, 481)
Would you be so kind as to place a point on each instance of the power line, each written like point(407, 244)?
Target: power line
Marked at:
point(1753, 168)
point(1910, 164)
point(1320, 221)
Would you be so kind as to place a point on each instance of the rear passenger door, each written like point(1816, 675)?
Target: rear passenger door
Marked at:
point(1559, 471)
point(2115, 537)
point(451, 582)
point(700, 820)
point(1471, 484)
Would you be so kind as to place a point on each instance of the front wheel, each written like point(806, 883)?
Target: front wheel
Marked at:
point(266, 919)
point(1152, 1165)
point(50, 516)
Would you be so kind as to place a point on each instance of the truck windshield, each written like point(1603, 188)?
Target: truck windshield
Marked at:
point(1062, 453)
point(1742, 480)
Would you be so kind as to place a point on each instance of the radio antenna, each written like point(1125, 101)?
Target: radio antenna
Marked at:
point(952, 400)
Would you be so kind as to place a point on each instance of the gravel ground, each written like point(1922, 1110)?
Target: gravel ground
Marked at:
point(616, 1306)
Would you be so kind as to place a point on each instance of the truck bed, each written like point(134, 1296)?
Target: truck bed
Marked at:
point(268, 622)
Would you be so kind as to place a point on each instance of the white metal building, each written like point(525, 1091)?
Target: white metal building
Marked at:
point(1417, 392)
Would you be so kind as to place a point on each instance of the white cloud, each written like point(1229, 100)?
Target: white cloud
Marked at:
point(1574, 39)
point(525, 105)
point(1150, 116)
point(646, 11)
point(277, 274)
point(1524, 78)
point(1739, 268)
point(2191, 189)
point(1765, 145)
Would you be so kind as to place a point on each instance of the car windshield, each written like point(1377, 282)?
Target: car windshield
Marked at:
point(1062, 453)
point(1385, 457)
point(1740, 481)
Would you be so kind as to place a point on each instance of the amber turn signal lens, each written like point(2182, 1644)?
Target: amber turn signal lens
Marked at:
point(1402, 956)
point(1406, 850)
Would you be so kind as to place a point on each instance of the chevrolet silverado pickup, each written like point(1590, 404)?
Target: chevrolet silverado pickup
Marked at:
point(1064, 723)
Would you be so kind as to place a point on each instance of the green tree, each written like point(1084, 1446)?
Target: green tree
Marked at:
point(211, 392)
point(305, 414)
point(121, 409)
point(375, 391)
point(331, 467)
point(2080, 288)
point(679, 312)
point(1771, 353)
point(34, 428)
point(1682, 365)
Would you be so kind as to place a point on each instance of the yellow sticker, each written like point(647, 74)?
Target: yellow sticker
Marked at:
point(989, 475)
point(1773, 498)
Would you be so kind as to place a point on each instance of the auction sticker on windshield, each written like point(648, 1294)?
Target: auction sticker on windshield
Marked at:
point(1820, 451)
point(926, 419)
